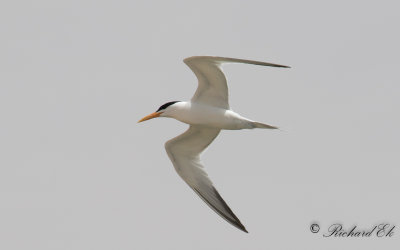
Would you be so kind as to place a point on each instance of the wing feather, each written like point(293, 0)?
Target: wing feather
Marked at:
point(184, 152)
point(212, 87)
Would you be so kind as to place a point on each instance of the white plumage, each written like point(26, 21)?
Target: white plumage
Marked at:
point(207, 113)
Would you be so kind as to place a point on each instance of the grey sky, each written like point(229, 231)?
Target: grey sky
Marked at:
point(78, 172)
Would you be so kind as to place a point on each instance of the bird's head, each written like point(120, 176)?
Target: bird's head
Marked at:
point(162, 111)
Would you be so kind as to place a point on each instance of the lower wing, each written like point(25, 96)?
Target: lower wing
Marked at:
point(184, 152)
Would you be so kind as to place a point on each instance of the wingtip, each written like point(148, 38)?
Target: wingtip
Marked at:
point(236, 222)
point(244, 229)
point(233, 60)
point(279, 65)
point(240, 226)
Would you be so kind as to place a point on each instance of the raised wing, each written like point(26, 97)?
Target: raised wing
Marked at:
point(184, 152)
point(213, 89)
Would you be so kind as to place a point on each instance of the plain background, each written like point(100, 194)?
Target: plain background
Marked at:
point(78, 172)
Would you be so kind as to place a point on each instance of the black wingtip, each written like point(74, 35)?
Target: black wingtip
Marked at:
point(244, 229)
point(235, 221)
point(239, 226)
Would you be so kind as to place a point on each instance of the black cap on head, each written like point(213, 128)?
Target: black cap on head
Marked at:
point(166, 105)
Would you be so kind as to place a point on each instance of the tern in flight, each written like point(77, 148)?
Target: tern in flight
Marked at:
point(207, 113)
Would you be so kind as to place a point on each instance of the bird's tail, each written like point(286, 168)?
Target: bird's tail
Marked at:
point(262, 125)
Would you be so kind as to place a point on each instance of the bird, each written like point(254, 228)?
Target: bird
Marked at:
point(207, 113)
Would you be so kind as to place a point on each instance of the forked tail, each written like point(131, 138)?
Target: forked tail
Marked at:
point(263, 125)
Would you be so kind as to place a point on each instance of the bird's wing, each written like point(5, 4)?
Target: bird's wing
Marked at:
point(184, 152)
point(212, 88)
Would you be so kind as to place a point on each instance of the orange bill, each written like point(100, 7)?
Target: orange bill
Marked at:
point(151, 116)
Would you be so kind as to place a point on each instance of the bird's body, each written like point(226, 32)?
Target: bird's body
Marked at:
point(208, 116)
point(207, 113)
